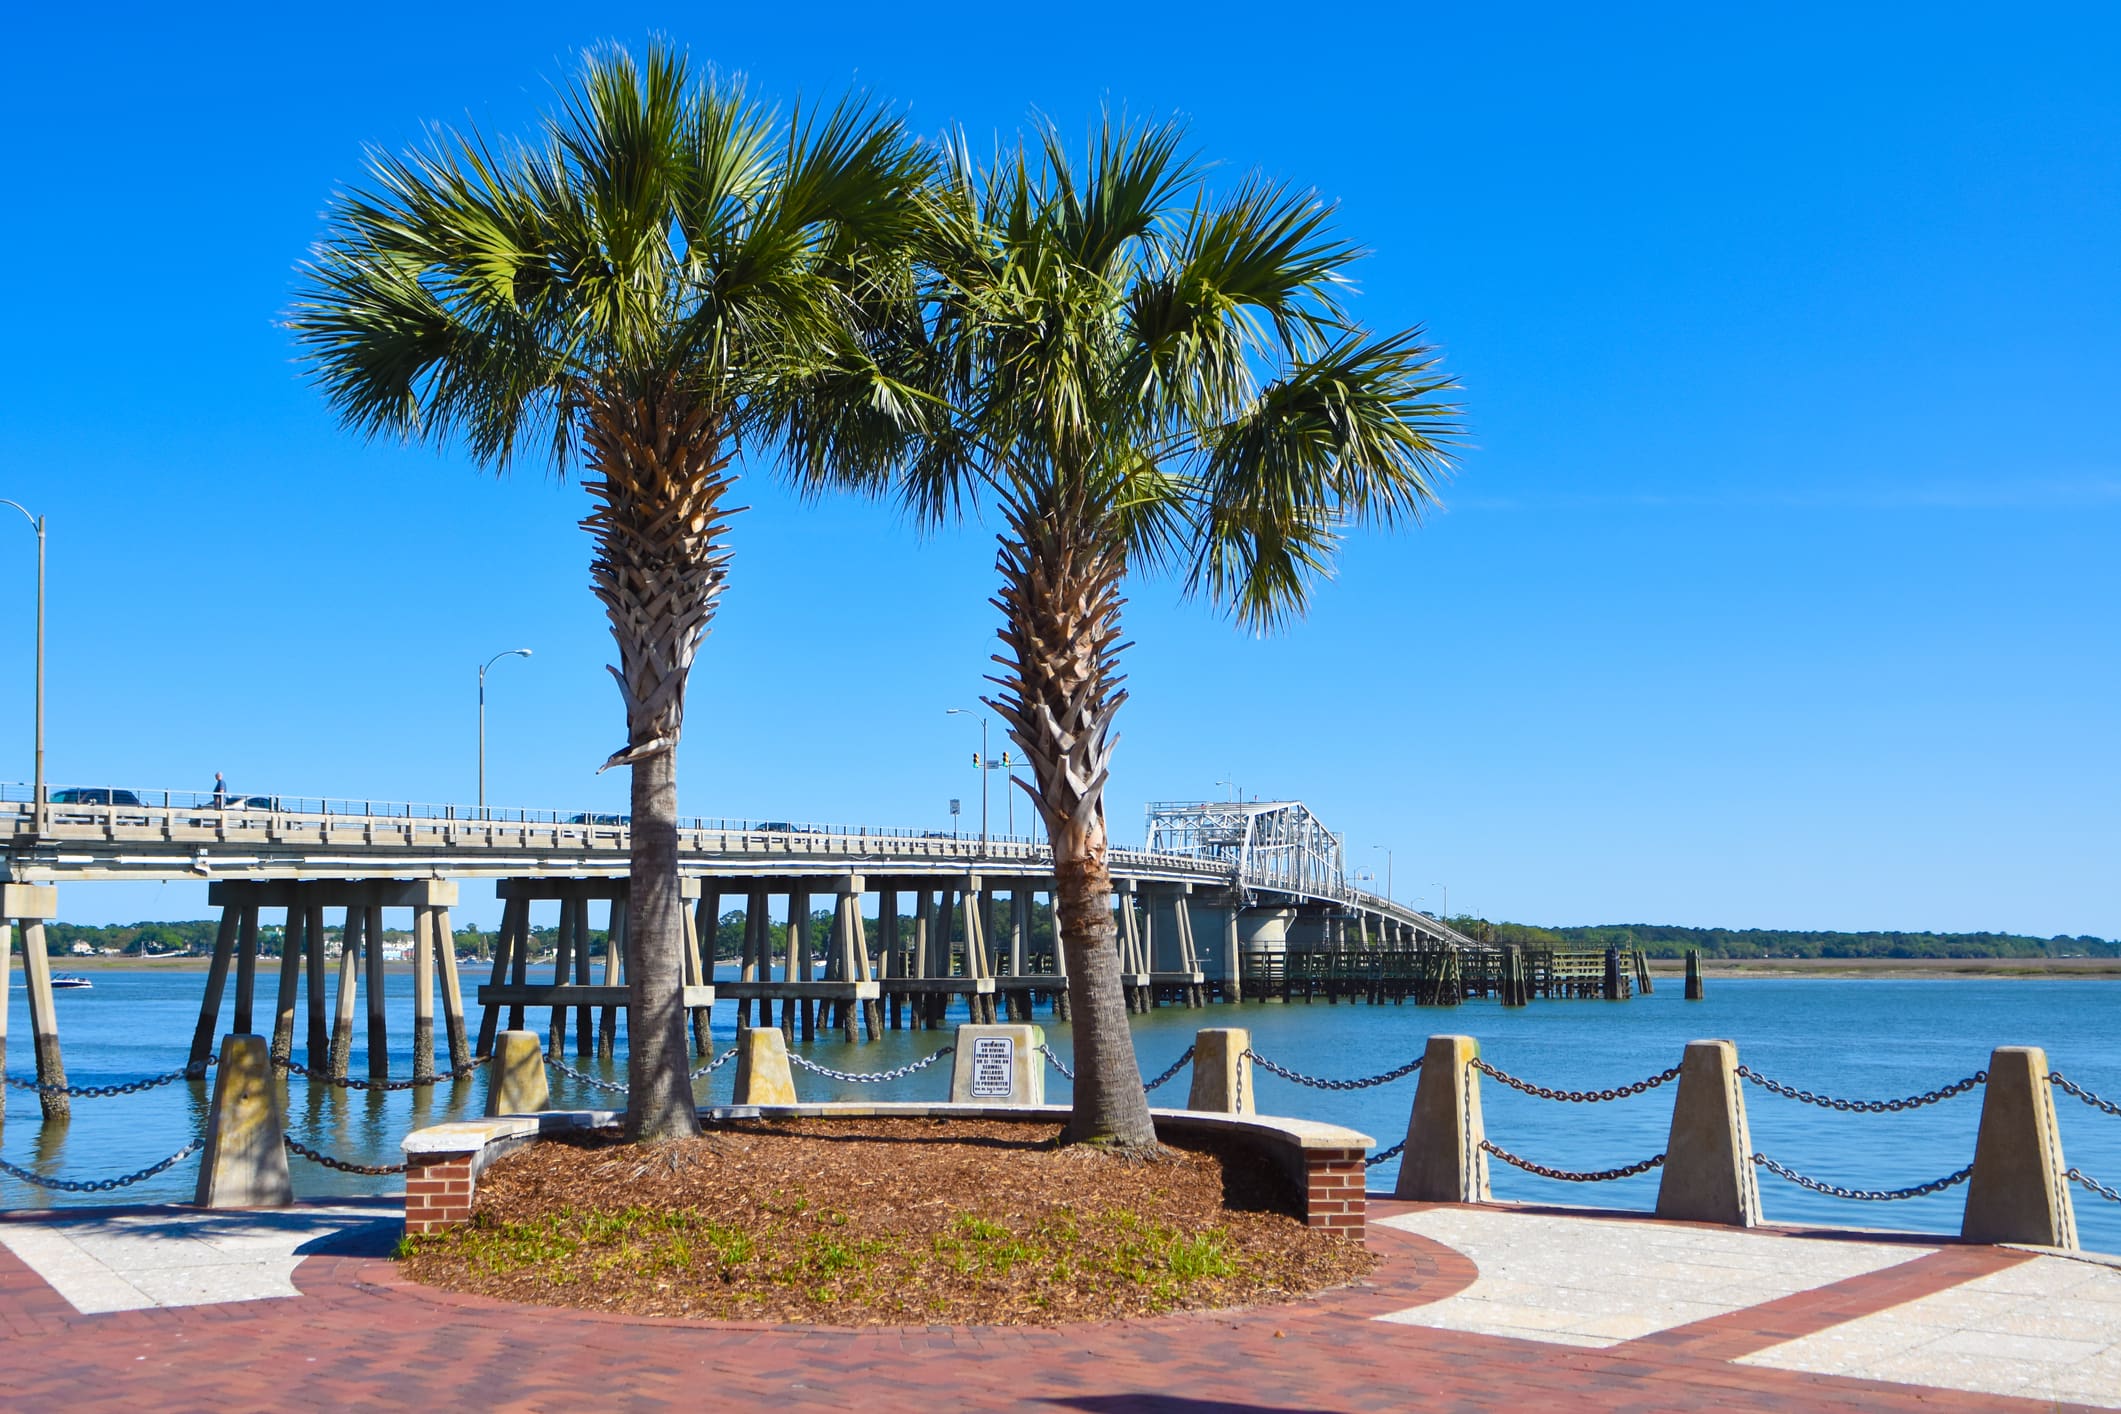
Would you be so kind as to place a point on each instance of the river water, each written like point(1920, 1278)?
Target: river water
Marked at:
point(1861, 1039)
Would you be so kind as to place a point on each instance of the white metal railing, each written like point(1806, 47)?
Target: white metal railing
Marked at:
point(193, 817)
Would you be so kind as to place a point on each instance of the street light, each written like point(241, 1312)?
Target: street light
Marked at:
point(511, 653)
point(1236, 795)
point(1388, 867)
point(982, 763)
point(1446, 901)
point(37, 790)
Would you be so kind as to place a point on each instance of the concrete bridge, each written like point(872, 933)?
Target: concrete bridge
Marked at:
point(1221, 890)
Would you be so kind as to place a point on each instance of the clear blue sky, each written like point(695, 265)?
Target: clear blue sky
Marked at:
point(1778, 589)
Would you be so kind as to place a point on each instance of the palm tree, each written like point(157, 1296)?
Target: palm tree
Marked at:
point(670, 276)
point(1141, 375)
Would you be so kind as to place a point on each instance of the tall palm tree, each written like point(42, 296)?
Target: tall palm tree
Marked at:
point(670, 276)
point(1142, 375)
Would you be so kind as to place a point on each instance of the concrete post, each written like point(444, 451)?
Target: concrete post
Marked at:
point(998, 1065)
point(1222, 1071)
point(1444, 1161)
point(762, 1073)
point(1233, 961)
point(245, 1164)
point(515, 1080)
point(2019, 1191)
point(1708, 1172)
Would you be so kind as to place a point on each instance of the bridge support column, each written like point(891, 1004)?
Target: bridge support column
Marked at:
point(26, 907)
point(378, 997)
point(349, 974)
point(584, 1027)
point(1444, 1160)
point(202, 1036)
point(423, 999)
point(292, 948)
point(316, 1047)
point(703, 926)
point(615, 928)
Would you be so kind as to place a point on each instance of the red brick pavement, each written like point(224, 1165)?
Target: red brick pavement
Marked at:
point(361, 1337)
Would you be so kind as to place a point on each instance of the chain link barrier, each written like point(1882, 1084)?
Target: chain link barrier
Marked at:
point(2071, 1087)
point(2080, 1176)
point(130, 1087)
point(1321, 1083)
point(596, 1082)
point(1176, 1067)
point(1867, 1107)
point(346, 1082)
point(1572, 1175)
point(714, 1065)
point(296, 1146)
point(1578, 1097)
point(1865, 1195)
point(1057, 1063)
point(1382, 1155)
point(873, 1077)
point(102, 1185)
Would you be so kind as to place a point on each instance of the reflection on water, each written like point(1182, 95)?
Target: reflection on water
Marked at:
point(1860, 1039)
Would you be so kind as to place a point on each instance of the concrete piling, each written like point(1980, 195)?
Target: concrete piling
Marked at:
point(1708, 1172)
point(1693, 975)
point(515, 1077)
point(1222, 1071)
point(1444, 1161)
point(245, 1163)
point(2019, 1191)
point(763, 1076)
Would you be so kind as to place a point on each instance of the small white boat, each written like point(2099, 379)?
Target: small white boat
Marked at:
point(72, 980)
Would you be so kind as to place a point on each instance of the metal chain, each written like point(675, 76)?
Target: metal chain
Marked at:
point(296, 1146)
point(102, 1185)
point(2080, 1176)
point(1572, 1175)
point(1057, 1063)
point(2070, 1087)
point(594, 1081)
point(1176, 1067)
point(1577, 1097)
point(873, 1077)
point(1384, 1154)
point(342, 1082)
point(130, 1087)
point(716, 1064)
point(1865, 1195)
point(1868, 1107)
point(1320, 1083)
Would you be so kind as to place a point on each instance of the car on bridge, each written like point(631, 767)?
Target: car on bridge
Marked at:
point(595, 819)
point(93, 795)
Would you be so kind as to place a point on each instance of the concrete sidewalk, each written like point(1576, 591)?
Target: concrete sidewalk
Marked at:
point(1470, 1308)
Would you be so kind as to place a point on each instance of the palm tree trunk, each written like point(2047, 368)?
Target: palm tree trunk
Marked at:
point(1060, 692)
point(661, 473)
point(659, 1092)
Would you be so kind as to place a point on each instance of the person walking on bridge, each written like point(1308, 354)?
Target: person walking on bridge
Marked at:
point(220, 792)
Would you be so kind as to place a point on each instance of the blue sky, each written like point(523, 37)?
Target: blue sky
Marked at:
point(1778, 587)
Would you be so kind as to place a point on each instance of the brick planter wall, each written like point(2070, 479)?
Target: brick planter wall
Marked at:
point(437, 1191)
point(1334, 1191)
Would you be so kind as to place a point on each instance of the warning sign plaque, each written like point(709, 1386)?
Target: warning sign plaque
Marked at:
point(993, 1067)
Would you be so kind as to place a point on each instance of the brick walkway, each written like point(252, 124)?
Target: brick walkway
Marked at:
point(357, 1335)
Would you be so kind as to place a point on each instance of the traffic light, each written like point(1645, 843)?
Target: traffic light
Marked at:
point(975, 760)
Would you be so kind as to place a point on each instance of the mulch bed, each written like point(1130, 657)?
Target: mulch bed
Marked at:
point(883, 1221)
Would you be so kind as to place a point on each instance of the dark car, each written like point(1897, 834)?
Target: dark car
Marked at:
point(94, 795)
point(783, 827)
point(592, 819)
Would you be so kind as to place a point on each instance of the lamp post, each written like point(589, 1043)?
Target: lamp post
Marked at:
point(1236, 795)
point(510, 653)
point(1388, 867)
point(1446, 902)
point(961, 712)
point(37, 788)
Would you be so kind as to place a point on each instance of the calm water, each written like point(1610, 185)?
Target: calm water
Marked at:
point(1859, 1039)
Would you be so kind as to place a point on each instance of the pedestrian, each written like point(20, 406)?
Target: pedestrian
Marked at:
point(220, 792)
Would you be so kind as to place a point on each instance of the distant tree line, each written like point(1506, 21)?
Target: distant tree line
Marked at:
point(1662, 940)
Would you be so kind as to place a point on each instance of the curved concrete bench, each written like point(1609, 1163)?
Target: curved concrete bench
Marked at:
point(1324, 1161)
